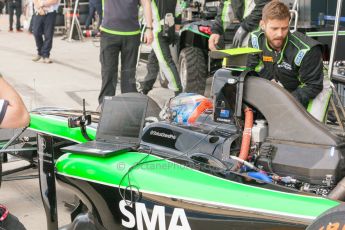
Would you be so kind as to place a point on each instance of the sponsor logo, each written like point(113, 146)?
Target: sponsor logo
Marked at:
point(142, 220)
point(165, 135)
point(285, 65)
point(267, 58)
point(224, 113)
point(255, 42)
point(299, 57)
point(223, 120)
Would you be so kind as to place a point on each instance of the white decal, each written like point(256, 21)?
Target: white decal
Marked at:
point(179, 214)
point(178, 220)
point(159, 134)
point(131, 220)
point(158, 212)
point(285, 65)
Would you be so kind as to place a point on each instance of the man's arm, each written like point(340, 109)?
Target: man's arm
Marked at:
point(217, 25)
point(251, 22)
point(16, 115)
point(311, 76)
point(148, 37)
point(180, 6)
point(253, 59)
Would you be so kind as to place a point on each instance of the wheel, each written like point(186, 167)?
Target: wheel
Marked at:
point(193, 70)
point(331, 219)
point(163, 80)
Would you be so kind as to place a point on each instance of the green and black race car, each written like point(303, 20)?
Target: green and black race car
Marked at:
point(258, 160)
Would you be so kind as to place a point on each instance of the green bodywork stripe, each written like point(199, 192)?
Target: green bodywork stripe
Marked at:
point(175, 180)
point(241, 69)
point(57, 126)
point(225, 13)
point(119, 32)
point(323, 33)
point(170, 179)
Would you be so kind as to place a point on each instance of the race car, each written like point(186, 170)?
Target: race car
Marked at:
point(257, 159)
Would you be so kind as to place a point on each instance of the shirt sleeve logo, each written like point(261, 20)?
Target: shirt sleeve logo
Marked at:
point(255, 42)
point(299, 57)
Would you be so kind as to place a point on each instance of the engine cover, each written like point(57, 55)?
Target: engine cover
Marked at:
point(306, 162)
point(209, 139)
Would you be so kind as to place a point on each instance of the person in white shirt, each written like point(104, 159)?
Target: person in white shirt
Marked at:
point(43, 28)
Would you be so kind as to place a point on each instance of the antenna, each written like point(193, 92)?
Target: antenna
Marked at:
point(84, 110)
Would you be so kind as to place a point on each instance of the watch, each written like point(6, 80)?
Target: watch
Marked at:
point(149, 28)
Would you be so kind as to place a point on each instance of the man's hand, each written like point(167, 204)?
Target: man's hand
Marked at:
point(41, 12)
point(213, 41)
point(277, 82)
point(148, 37)
point(239, 37)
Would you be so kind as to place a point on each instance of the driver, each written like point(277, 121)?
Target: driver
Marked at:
point(13, 114)
point(292, 60)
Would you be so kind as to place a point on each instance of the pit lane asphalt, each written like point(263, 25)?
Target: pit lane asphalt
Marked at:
point(75, 74)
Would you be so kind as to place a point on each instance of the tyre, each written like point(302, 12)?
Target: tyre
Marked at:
point(331, 219)
point(193, 70)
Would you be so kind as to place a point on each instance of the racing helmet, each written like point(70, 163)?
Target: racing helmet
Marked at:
point(186, 108)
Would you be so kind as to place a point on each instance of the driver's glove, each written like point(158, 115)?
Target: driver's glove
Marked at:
point(239, 37)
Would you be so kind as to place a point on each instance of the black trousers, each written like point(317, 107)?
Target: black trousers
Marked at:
point(2, 5)
point(160, 58)
point(111, 47)
point(43, 31)
point(14, 6)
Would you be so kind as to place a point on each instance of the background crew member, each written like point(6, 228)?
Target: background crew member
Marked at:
point(94, 6)
point(15, 5)
point(120, 33)
point(164, 35)
point(43, 28)
point(13, 114)
point(293, 60)
point(247, 12)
